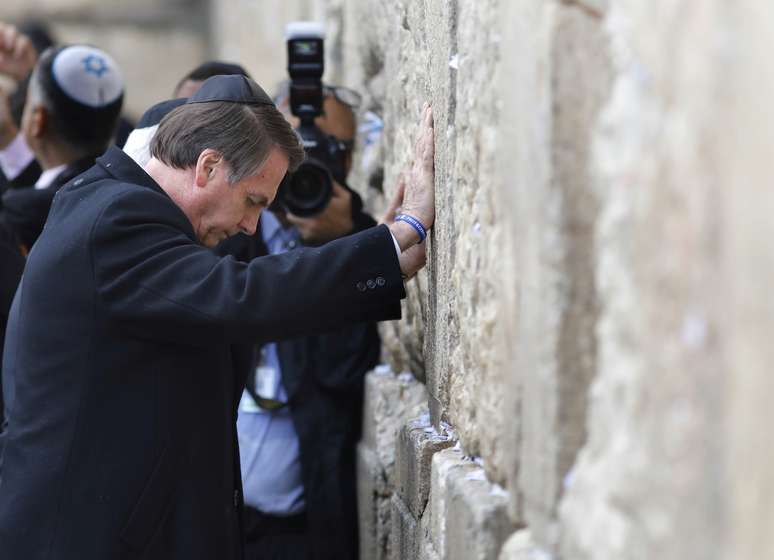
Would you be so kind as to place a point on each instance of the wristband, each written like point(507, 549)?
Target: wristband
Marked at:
point(413, 222)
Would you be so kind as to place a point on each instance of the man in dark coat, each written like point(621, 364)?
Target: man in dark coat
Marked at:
point(121, 438)
point(10, 273)
point(70, 113)
point(298, 459)
point(74, 99)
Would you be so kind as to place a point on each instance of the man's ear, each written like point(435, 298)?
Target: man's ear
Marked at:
point(39, 121)
point(209, 164)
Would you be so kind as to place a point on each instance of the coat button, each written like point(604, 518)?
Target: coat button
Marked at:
point(371, 284)
point(236, 498)
point(361, 286)
point(380, 281)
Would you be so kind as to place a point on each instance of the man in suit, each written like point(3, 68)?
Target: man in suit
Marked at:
point(297, 439)
point(69, 117)
point(121, 439)
point(74, 99)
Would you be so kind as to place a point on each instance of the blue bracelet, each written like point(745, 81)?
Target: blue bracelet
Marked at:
point(413, 222)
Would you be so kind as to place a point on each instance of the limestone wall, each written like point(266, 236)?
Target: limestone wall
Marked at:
point(591, 324)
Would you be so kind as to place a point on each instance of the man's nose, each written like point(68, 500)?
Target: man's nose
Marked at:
point(249, 223)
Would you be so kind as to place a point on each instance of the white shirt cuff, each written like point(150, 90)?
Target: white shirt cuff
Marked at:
point(395, 242)
point(15, 157)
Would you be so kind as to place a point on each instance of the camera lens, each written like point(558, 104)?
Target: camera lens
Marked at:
point(307, 191)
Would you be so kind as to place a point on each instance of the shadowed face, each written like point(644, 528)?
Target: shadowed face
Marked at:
point(224, 209)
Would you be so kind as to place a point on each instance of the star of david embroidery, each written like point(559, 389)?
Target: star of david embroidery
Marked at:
point(94, 64)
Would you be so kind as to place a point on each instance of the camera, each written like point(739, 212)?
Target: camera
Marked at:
point(308, 190)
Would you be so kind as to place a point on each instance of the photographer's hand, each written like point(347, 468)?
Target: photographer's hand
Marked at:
point(333, 222)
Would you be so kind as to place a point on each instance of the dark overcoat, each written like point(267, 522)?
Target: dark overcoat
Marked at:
point(121, 440)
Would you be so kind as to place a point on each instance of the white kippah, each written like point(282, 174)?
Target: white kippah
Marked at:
point(88, 75)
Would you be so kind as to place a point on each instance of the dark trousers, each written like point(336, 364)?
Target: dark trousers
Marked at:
point(269, 537)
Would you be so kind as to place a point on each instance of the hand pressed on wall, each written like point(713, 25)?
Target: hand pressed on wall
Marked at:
point(414, 257)
point(415, 195)
point(418, 199)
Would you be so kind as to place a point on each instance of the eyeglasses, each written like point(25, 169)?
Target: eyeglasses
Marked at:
point(347, 96)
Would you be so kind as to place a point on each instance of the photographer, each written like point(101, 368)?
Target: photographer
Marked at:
point(300, 418)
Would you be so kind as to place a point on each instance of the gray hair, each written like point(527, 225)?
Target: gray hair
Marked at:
point(243, 134)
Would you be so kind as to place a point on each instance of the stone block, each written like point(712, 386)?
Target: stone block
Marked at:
point(560, 362)
point(475, 517)
point(405, 536)
point(427, 550)
point(443, 463)
point(466, 517)
point(373, 499)
point(417, 442)
point(389, 401)
point(521, 547)
point(652, 479)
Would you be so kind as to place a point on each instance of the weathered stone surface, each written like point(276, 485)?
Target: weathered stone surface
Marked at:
point(390, 400)
point(443, 463)
point(402, 53)
point(520, 546)
point(373, 498)
point(559, 358)
point(469, 517)
point(416, 444)
point(747, 202)
point(405, 535)
point(476, 518)
point(649, 482)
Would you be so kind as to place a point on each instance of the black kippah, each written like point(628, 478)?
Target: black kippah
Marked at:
point(231, 89)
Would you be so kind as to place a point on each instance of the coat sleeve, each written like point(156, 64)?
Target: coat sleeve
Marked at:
point(153, 279)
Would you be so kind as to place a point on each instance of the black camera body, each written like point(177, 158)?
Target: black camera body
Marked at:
point(308, 190)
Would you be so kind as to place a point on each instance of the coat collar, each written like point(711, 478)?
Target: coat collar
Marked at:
point(120, 166)
point(116, 163)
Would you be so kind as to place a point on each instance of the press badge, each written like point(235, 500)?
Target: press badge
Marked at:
point(265, 382)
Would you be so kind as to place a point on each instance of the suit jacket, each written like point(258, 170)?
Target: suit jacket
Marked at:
point(323, 377)
point(121, 439)
point(24, 210)
point(23, 213)
point(24, 180)
point(11, 266)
